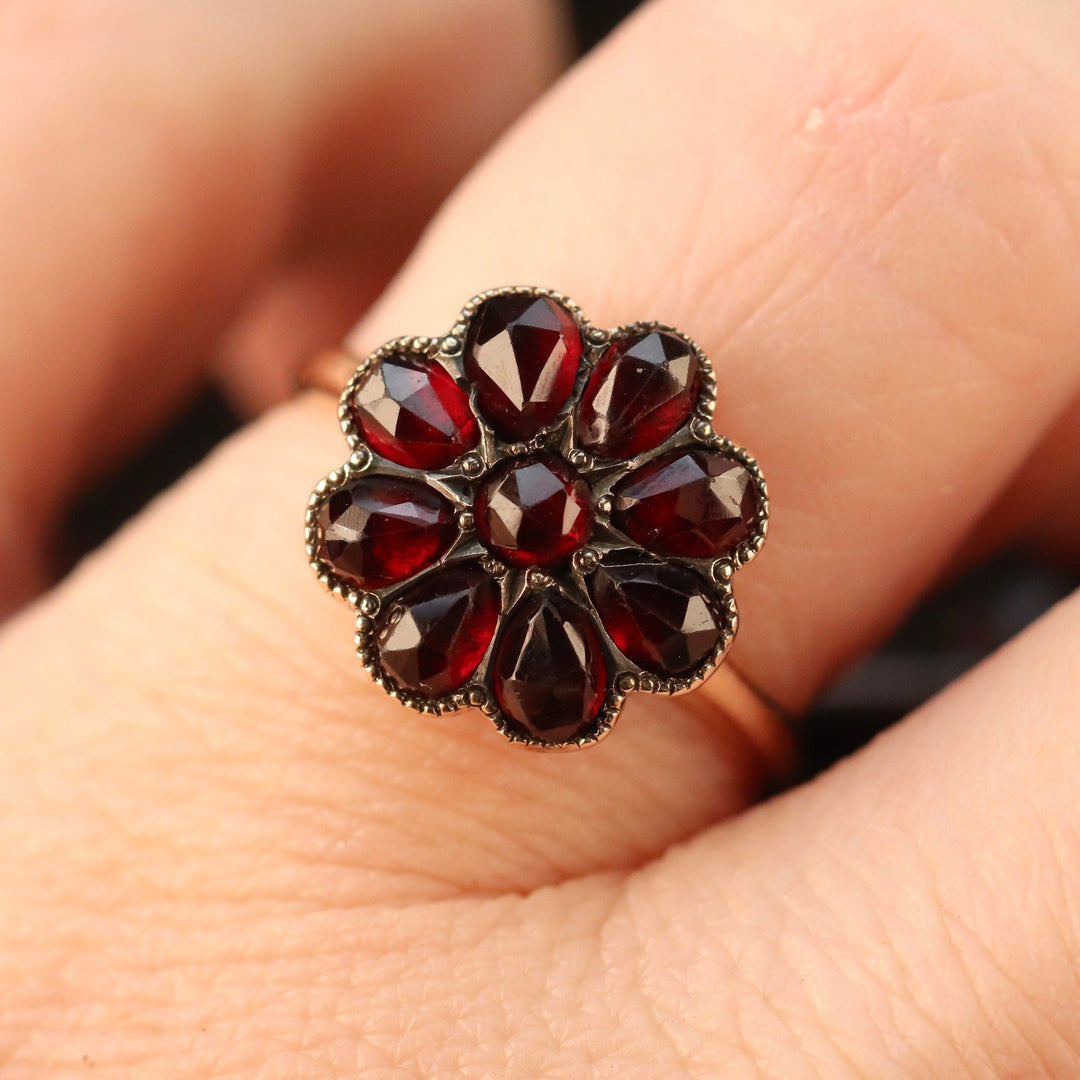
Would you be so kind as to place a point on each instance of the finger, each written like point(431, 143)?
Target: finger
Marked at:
point(311, 301)
point(247, 650)
point(311, 795)
point(945, 905)
point(202, 613)
point(879, 312)
point(161, 161)
point(431, 116)
point(911, 914)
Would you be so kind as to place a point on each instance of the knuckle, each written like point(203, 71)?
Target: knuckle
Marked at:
point(938, 136)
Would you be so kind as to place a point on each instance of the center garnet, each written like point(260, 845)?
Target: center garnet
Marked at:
point(534, 511)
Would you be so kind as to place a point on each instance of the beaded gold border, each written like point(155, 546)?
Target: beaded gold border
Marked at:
point(454, 482)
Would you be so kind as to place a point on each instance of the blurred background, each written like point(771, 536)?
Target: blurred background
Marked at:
point(946, 635)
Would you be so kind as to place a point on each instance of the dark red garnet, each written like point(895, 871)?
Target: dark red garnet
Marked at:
point(522, 353)
point(691, 502)
point(380, 529)
point(661, 616)
point(533, 511)
point(435, 632)
point(411, 411)
point(550, 678)
point(641, 392)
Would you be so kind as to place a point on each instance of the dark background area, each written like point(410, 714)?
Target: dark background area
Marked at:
point(946, 635)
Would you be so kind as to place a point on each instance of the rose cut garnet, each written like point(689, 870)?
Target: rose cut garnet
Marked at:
point(528, 440)
point(434, 634)
point(695, 503)
point(522, 354)
point(661, 616)
point(640, 393)
point(549, 671)
point(378, 530)
point(534, 511)
point(410, 410)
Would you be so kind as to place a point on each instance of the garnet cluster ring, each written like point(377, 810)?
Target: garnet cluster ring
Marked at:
point(537, 517)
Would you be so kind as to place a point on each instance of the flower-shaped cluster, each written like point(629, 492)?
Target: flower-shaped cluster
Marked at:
point(537, 517)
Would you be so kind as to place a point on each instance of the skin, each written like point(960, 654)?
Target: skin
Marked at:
point(226, 855)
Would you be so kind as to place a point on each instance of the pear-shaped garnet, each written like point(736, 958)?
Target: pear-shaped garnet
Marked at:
point(661, 615)
point(533, 511)
point(692, 502)
point(549, 671)
point(640, 393)
point(378, 530)
point(522, 354)
point(410, 410)
point(435, 632)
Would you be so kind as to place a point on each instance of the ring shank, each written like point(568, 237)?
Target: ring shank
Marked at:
point(328, 370)
point(768, 728)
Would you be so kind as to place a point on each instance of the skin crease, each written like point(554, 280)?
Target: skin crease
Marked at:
point(225, 855)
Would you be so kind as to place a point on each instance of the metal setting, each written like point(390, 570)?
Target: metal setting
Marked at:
point(458, 481)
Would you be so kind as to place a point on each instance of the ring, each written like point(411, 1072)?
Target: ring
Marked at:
point(537, 518)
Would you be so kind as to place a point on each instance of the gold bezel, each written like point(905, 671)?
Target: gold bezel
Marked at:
point(455, 482)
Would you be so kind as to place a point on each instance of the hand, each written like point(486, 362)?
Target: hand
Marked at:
point(225, 854)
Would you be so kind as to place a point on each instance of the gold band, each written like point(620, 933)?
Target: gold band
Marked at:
point(328, 370)
point(767, 727)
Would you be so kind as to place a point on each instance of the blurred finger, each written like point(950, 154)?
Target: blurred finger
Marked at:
point(161, 158)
